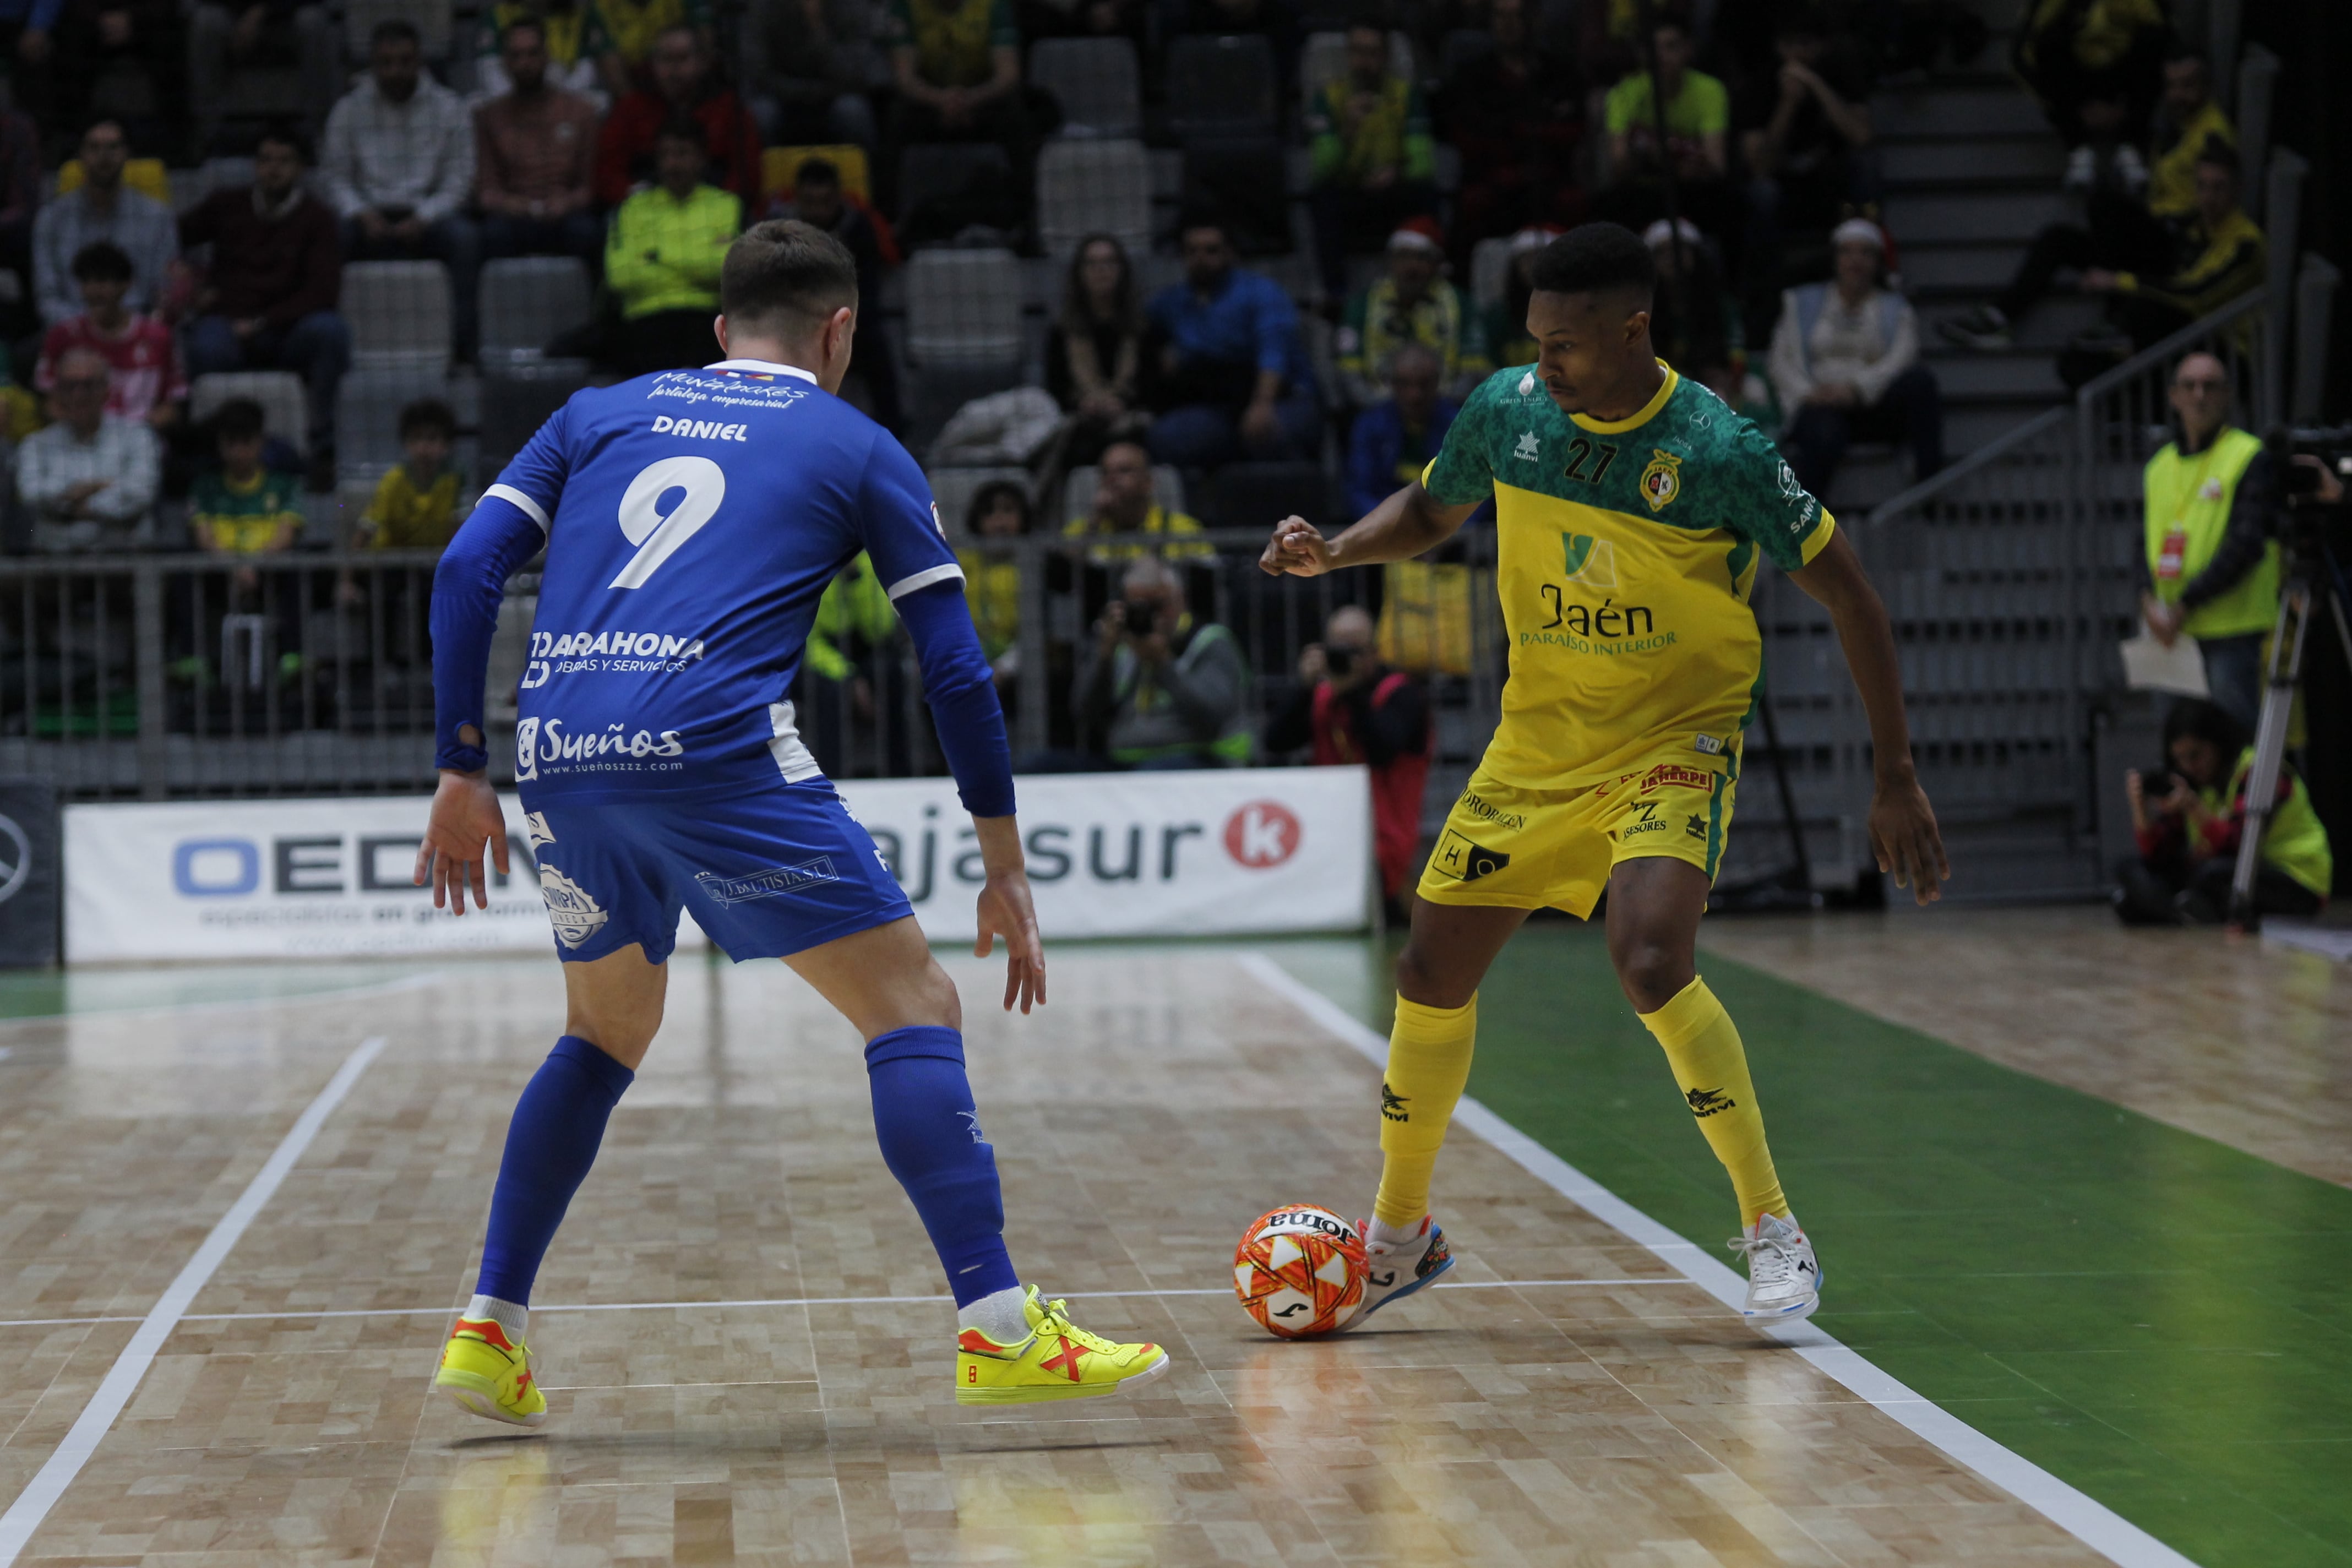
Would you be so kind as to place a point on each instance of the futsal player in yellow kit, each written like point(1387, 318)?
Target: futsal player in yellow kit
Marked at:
point(1633, 510)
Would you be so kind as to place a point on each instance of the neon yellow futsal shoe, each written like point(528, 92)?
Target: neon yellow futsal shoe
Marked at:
point(489, 1376)
point(1057, 1360)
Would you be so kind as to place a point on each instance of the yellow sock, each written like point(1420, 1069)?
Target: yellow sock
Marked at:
point(1701, 1046)
point(1429, 1061)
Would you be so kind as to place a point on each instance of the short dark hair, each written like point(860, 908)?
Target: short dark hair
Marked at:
point(103, 261)
point(284, 133)
point(1204, 218)
point(2207, 721)
point(984, 499)
point(2221, 155)
point(395, 30)
point(427, 414)
point(95, 120)
point(786, 269)
point(528, 19)
point(816, 171)
point(1596, 258)
point(238, 419)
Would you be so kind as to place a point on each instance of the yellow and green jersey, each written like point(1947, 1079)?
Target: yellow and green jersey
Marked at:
point(1626, 552)
point(244, 517)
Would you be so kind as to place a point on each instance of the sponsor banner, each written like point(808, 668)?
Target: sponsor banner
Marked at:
point(29, 883)
point(1228, 852)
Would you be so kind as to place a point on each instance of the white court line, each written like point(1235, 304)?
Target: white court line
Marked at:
point(308, 1314)
point(230, 1003)
point(32, 1505)
point(2089, 1522)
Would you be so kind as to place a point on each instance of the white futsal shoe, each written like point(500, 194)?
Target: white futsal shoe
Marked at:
point(1394, 1271)
point(1784, 1281)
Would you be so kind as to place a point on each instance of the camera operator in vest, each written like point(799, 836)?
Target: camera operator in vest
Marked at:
point(2212, 500)
point(1352, 708)
point(2189, 817)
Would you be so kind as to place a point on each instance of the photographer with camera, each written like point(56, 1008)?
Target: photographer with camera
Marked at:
point(1352, 708)
point(2190, 819)
point(1161, 691)
point(2212, 503)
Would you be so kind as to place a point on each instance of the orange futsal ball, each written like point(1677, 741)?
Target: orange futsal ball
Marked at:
point(1299, 1271)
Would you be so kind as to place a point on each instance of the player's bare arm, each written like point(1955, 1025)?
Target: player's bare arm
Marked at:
point(1007, 911)
point(1409, 523)
point(1903, 832)
point(465, 816)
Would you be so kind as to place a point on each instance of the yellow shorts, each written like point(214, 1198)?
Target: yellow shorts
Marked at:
point(1531, 850)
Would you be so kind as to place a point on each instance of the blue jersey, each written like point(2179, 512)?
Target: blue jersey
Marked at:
point(693, 519)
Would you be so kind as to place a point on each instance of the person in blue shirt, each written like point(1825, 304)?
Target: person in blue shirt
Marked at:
point(1394, 439)
point(1235, 379)
point(691, 520)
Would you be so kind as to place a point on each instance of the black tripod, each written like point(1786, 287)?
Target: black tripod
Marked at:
point(2313, 575)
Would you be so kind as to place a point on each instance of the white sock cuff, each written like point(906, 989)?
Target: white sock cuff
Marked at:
point(1002, 1315)
point(1387, 1237)
point(510, 1316)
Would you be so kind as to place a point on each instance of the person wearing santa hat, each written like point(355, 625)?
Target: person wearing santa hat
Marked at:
point(1846, 365)
point(1414, 304)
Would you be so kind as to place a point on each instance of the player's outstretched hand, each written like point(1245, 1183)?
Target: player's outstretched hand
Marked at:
point(1906, 841)
point(1297, 549)
point(1006, 911)
point(466, 816)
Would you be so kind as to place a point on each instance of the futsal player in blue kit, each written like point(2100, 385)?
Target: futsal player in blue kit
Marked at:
point(691, 520)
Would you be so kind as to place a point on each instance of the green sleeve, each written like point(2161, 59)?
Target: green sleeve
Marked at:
point(1749, 492)
point(1461, 473)
point(596, 37)
point(628, 270)
point(819, 652)
point(1327, 153)
point(1002, 33)
point(1419, 146)
point(1623, 104)
point(1712, 102)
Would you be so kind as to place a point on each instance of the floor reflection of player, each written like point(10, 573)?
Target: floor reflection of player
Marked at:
point(653, 784)
point(1633, 509)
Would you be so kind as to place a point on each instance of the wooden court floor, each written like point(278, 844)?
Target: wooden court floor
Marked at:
point(740, 1330)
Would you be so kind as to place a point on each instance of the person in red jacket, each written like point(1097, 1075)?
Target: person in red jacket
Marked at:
point(268, 302)
point(1352, 708)
point(682, 86)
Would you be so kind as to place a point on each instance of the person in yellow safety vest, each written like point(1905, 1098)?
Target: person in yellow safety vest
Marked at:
point(854, 627)
point(2190, 819)
point(2212, 499)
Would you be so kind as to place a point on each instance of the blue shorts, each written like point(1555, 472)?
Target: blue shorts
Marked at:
point(766, 871)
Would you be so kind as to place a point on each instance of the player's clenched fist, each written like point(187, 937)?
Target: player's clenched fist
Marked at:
point(1296, 548)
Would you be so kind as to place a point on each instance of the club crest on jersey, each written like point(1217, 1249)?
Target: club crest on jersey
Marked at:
point(1590, 561)
point(1662, 481)
point(1528, 384)
point(1525, 450)
point(577, 917)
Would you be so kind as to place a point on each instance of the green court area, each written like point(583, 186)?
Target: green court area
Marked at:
point(2158, 1319)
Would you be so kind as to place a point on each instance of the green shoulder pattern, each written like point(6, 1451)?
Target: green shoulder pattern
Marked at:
point(1727, 474)
point(1464, 472)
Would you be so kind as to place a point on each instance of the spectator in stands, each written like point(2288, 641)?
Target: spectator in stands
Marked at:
point(2187, 121)
point(1162, 692)
point(627, 33)
point(1000, 511)
point(1506, 321)
point(2073, 52)
point(140, 351)
point(1354, 709)
point(534, 158)
point(225, 36)
point(1414, 304)
point(400, 168)
point(126, 58)
point(808, 66)
point(2190, 819)
point(1234, 376)
point(89, 479)
point(2156, 277)
point(101, 208)
point(1845, 364)
point(573, 41)
point(957, 68)
point(1697, 122)
point(1274, 20)
point(20, 199)
point(1808, 145)
point(415, 502)
point(822, 201)
point(28, 29)
point(663, 258)
point(2212, 499)
point(1394, 440)
point(1514, 115)
point(247, 512)
point(1375, 163)
point(1098, 366)
point(1125, 511)
point(854, 689)
point(683, 88)
point(268, 302)
point(1694, 321)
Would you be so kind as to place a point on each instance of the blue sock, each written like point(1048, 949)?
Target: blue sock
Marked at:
point(551, 1141)
point(929, 1133)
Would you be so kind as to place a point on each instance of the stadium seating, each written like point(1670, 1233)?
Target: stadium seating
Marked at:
point(519, 395)
point(963, 309)
point(1096, 82)
point(399, 312)
point(1088, 187)
point(931, 170)
point(284, 405)
point(527, 301)
point(432, 20)
point(367, 415)
point(778, 166)
point(1221, 87)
